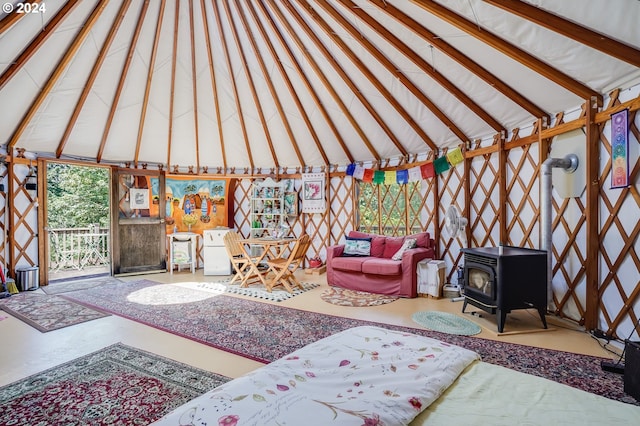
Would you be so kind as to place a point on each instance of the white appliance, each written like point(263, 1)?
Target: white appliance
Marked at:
point(216, 260)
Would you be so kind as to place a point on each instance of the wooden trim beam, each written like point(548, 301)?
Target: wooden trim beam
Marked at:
point(427, 68)
point(593, 39)
point(223, 43)
point(37, 41)
point(321, 76)
point(57, 72)
point(176, 25)
point(592, 215)
point(252, 86)
point(274, 92)
point(508, 49)
point(147, 90)
point(121, 81)
point(343, 74)
point(97, 66)
point(214, 84)
point(461, 58)
point(194, 85)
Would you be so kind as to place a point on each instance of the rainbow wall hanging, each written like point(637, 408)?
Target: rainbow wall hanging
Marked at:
point(620, 149)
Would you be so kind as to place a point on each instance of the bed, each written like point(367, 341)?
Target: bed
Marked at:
point(374, 376)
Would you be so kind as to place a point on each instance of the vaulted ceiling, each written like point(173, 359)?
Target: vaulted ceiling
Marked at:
point(224, 84)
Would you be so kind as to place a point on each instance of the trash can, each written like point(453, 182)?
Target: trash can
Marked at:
point(27, 278)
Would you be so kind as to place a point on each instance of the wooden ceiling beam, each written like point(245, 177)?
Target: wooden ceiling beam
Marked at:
point(214, 84)
point(393, 70)
point(121, 80)
point(57, 72)
point(343, 74)
point(97, 66)
point(302, 78)
point(274, 92)
point(425, 67)
point(147, 89)
point(475, 68)
point(225, 49)
point(194, 85)
point(252, 86)
point(321, 76)
point(508, 49)
point(37, 41)
point(571, 30)
point(176, 21)
point(12, 17)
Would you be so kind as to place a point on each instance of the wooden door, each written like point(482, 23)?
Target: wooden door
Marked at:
point(138, 215)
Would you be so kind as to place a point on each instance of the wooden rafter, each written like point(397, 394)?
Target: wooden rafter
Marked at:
point(194, 85)
point(57, 72)
point(341, 72)
point(252, 85)
point(121, 80)
point(508, 49)
point(571, 30)
point(214, 84)
point(461, 58)
point(97, 66)
point(393, 69)
point(294, 95)
point(11, 18)
point(428, 69)
point(37, 41)
point(225, 49)
point(147, 89)
point(325, 82)
point(273, 91)
point(176, 24)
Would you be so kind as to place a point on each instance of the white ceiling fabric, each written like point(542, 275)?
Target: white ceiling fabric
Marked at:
point(311, 94)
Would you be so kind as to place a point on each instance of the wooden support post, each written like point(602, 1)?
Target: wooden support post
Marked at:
point(591, 214)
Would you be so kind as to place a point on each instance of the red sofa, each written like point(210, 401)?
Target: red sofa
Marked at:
point(379, 273)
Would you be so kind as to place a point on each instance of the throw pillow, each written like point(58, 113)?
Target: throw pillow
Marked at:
point(391, 246)
point(409, 243)
point(357, 247)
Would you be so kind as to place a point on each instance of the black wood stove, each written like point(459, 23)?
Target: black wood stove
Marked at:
point(501, 279)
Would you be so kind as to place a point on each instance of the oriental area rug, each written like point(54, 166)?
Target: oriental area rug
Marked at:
point(346, 297)
point(258, 291)
point(48, 312)
point(266, 331)
point(116, 385)
point(77, 284)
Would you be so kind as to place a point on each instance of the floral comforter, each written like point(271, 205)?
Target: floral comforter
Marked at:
point(361, 376)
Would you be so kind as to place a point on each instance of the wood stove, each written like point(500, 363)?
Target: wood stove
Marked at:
point(501, 279)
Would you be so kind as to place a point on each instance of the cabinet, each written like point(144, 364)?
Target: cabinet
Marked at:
point(267, 207)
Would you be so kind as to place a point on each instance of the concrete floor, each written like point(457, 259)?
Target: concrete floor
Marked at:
point(27, 351)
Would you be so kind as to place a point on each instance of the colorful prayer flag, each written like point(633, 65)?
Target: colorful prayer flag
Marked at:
point(378, 177)
point(402, 176)
point(441, 165)
point(455, 156)
point(389, 177)
point(427, 171)
point(368, 175)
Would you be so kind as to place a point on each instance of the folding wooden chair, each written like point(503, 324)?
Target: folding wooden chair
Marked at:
point(284, 267)
point(239, 260)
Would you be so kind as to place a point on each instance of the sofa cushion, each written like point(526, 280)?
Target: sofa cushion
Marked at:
point(357, 247)
point(391, 246)
point(353, 264)
point(377, 242)
point(381, 266)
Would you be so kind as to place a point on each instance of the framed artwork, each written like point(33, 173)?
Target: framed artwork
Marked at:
point(291, 203)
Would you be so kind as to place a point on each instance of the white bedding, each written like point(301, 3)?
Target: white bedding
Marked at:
point(487, 394)
point(361, 376)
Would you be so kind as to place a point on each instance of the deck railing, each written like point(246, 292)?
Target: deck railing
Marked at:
point(78, 248)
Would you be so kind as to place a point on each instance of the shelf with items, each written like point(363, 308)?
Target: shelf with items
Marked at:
point(267, 207)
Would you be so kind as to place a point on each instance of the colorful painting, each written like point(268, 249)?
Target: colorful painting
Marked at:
point(193, 204)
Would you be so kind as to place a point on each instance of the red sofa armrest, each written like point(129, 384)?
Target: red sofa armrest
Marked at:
point(410, 259)
point(332, 251)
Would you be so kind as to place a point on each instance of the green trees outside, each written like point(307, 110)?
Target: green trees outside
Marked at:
point(77, 196)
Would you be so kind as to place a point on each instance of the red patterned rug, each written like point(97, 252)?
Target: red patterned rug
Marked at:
point(266, 332)
point(118, 385)
point(47, 312)
point(345, 297)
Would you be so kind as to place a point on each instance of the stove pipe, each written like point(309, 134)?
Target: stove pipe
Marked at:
point(569, 164)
